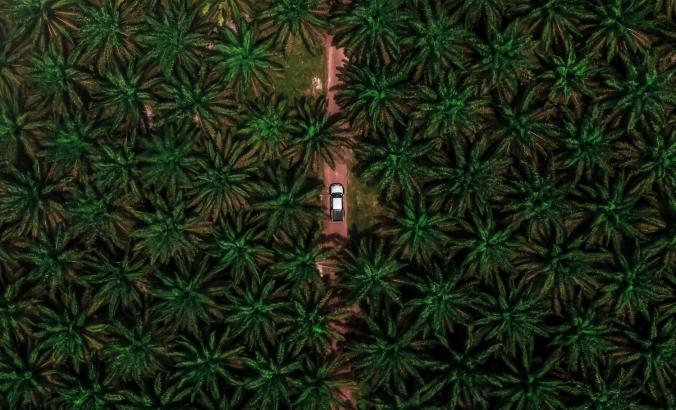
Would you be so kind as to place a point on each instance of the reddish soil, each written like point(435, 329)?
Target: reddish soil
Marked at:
point(336, 232)
point(335, 58)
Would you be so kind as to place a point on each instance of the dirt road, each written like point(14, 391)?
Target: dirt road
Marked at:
point(335, 58)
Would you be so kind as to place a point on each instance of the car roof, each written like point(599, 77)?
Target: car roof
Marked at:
point(336, 189)
point(337, 203)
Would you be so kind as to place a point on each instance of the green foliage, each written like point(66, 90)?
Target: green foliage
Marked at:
point(162, 236)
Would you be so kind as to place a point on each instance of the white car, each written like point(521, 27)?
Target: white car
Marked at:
point(337, 210)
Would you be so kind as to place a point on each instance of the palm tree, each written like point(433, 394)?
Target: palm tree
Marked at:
point(28, 378)
point(224, 181)
point(172, 36)
point(124, 93)
point(617, 27)
point(160, 393)
point(11, 57)
point(266, 125)
point(433, 39)
point(273, 379)
point(101, 216)
point(418, 231)
point(506, 59)
point(297, 258)
point(246, 61)
point(286, 21)
point(473, 12)
point(420, 400)
point(30, 202)
point(614, 211)
point(610, 390)
point(72, 143)
point(43, 22)
point(19, 298)
point(288, 201)
point(450, 107)
point(512, 317)
point(569, 77)
point(117, 169)
point(532, 384)
point(652, 354)
point(371, 273)
point(225, 11)
point(469, 176)
point(197, 98)
point(523, 129)
point(662, 244)
point(464, 375)
point(369, 30)
point(316, 138)
point(107, 31)
point(584, 339)
point(239, 248)
point(70, 330)
point(20, 128)
point(56, 80)
point(168, 160)
point(555, 262)
point(168, 232)
point(204, 364)
point(440, 301)
point(256, 310)
point(374, 97)
point(651, 152)
point(316, 312)
point(538, 198)
point(489, 247)
point(646, 93)
point(186, 299)
point(323, 383)
point(136, 352)
point(394, 162)
point(555, 21)
point(89, 390)
point(121, 280)
point(586, 144)
point(388, 356)
point(630, 286)
point(55, 259)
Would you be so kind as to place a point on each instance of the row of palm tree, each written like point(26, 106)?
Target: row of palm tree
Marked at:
point(160, 217)
point(523, 156)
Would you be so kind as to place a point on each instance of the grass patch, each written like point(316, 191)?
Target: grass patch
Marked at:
point(364, 206)
point(300, 66)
